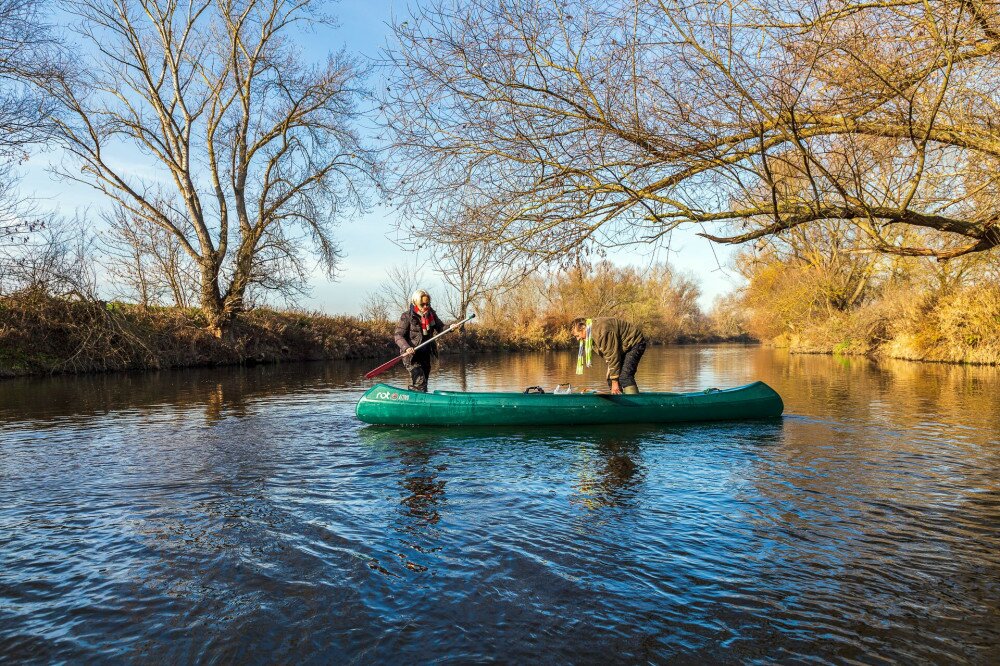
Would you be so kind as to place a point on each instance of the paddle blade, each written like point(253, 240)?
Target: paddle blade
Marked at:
point(382, 368)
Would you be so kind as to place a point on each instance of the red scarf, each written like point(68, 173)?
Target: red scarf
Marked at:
point(426, 320)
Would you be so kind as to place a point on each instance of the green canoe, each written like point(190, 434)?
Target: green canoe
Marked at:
point(387, 405)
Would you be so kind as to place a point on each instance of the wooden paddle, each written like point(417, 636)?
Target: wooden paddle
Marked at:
point(388, 364)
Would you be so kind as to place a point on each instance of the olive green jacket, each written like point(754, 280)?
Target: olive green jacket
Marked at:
point(611, 339)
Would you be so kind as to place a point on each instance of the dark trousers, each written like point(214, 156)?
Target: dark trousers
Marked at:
point(630, 364)
point(419, 367)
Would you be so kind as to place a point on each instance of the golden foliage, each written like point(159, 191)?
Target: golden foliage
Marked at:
point(662, 302)
point(909, 308)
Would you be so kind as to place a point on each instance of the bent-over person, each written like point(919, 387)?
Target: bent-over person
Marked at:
point(619, 343)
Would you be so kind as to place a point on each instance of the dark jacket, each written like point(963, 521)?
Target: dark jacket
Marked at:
point(410, 334)
point(612, 338)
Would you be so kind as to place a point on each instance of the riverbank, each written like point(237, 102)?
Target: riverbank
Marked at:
point(961, 327)
point(902, 349)
point(40, 334)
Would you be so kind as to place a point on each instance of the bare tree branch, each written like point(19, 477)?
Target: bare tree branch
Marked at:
point(601, 123)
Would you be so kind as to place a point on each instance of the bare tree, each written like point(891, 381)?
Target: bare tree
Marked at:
point(393, 293)
point(28, 56)
point(254, 147)
point(375, 308)
point(57, 261)
point(471, 268)
point(841, 277)
point(148, 263)
point(596, 290)
point(728, 317)
point(614, 121)
point(17, 223)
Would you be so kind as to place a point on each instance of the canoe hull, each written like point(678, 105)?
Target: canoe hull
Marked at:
point(387, 405)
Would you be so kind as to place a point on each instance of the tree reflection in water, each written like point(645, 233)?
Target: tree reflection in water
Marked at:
point(610, 473)
point(421, 494)
point(423, 490)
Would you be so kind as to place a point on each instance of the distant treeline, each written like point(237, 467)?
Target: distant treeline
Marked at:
point(661, 301)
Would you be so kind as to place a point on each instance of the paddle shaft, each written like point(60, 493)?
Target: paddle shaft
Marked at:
point(388, 364)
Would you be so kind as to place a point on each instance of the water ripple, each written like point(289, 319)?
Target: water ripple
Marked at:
point(247, 516)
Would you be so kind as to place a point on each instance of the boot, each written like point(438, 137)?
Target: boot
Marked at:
point(630, 390)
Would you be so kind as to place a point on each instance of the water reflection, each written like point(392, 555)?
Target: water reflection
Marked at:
point(245, 515)
point(216, 392)
point(610, 474)
point(422, 500)
point(417, 464)
point(424, 492)
point(820, 386)
point(461, 372)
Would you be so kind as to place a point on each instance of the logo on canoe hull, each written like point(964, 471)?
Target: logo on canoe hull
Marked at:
point(385, 395)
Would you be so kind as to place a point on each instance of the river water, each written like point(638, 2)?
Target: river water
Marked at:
point(244, 515)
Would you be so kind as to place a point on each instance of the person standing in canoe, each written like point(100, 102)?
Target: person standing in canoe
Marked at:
point(618, 342)
point(417, 324)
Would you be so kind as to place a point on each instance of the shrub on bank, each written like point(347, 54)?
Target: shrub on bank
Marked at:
point(962, 327)
point(910, 324)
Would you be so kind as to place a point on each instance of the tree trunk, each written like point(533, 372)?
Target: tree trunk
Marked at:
point(212, 303)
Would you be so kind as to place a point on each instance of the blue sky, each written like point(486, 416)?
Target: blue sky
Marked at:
point(367, 240)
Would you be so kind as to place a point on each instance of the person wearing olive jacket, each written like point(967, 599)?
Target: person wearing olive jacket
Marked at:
point(417, 324)
point(620, 344)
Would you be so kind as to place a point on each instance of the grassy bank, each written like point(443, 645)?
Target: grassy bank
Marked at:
point(40, 334)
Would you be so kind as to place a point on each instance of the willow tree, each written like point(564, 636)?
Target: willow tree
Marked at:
point(204, 119)
point(609, 121)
